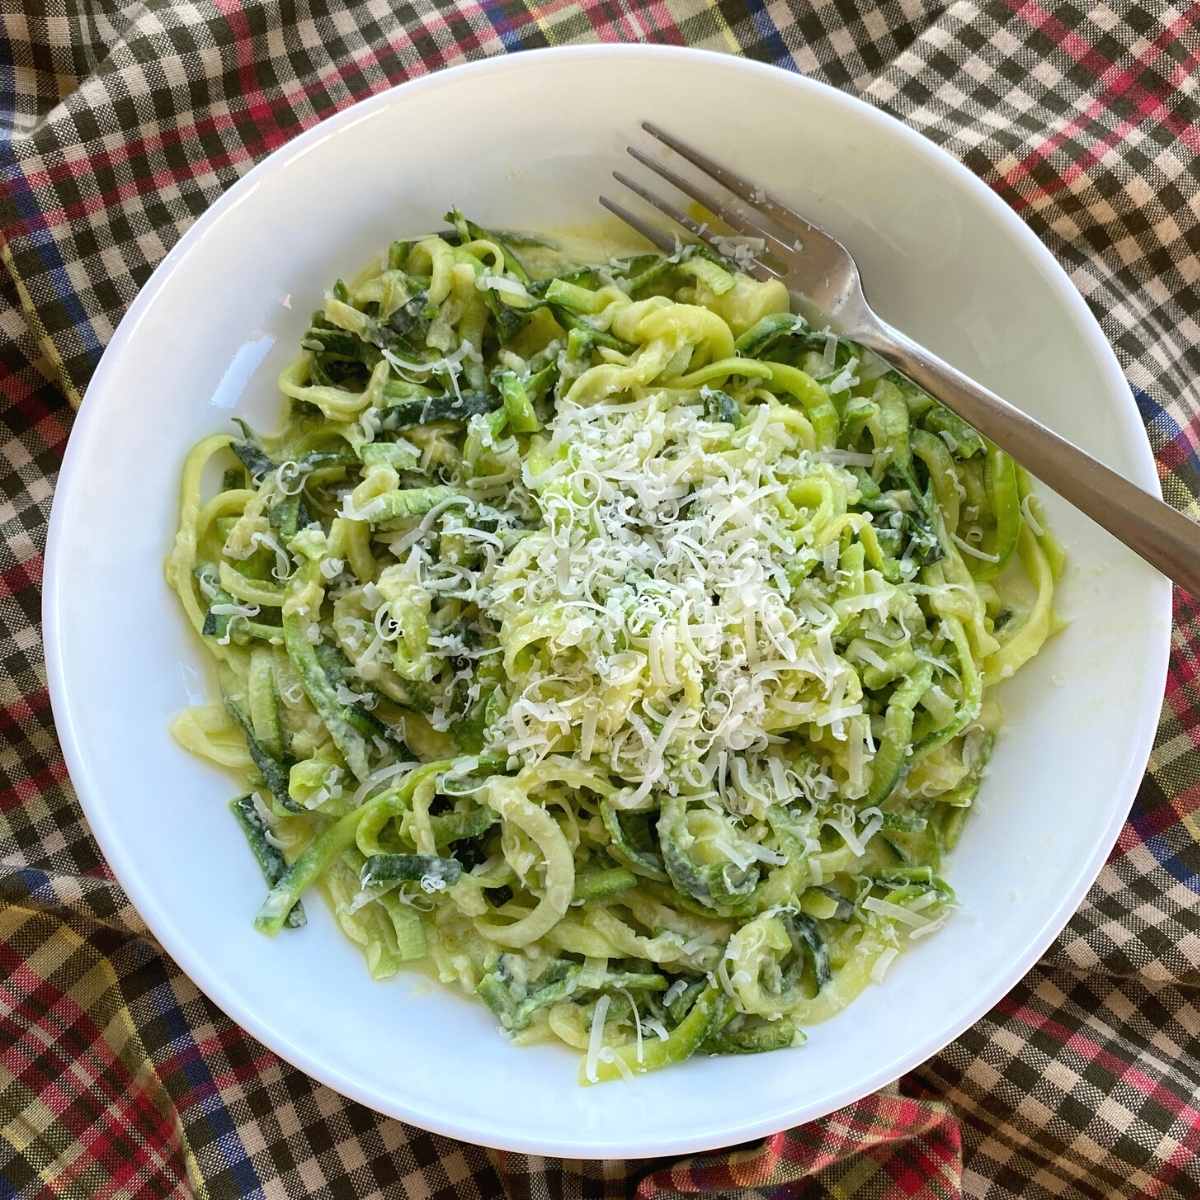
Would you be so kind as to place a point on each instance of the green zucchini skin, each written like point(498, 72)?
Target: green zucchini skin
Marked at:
point(410, 868)
point(407, 413)
point(274, 771)
point(270, 860)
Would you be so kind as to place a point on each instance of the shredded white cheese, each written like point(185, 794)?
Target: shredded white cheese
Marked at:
point(596, 1037)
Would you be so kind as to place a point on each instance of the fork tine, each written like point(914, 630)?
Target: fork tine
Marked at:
point(737, 184)
point(723, 212)
point(680, 217)
point(655, 237)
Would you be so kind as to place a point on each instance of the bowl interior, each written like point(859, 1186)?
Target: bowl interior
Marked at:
point(528, 142)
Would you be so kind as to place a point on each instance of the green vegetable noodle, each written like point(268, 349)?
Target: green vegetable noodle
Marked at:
point(608, 639)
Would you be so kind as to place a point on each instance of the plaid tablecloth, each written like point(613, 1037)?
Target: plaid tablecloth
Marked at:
point(119, 123)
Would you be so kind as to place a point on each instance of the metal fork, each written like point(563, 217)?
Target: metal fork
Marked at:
point(820, 270)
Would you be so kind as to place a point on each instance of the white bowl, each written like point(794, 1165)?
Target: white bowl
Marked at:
point(527, 142)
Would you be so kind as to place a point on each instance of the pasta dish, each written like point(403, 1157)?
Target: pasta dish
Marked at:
point(608, 638)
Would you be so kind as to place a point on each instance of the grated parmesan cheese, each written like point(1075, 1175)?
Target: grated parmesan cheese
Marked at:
point(596, 1037)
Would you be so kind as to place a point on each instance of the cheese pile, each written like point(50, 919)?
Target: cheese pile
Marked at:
point(656, 620)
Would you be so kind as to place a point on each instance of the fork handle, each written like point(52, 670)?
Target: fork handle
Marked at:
point(1161, 535)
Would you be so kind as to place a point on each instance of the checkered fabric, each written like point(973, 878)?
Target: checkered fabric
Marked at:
point(119, 124)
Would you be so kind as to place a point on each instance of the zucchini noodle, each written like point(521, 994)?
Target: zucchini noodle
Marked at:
point(607, 638)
